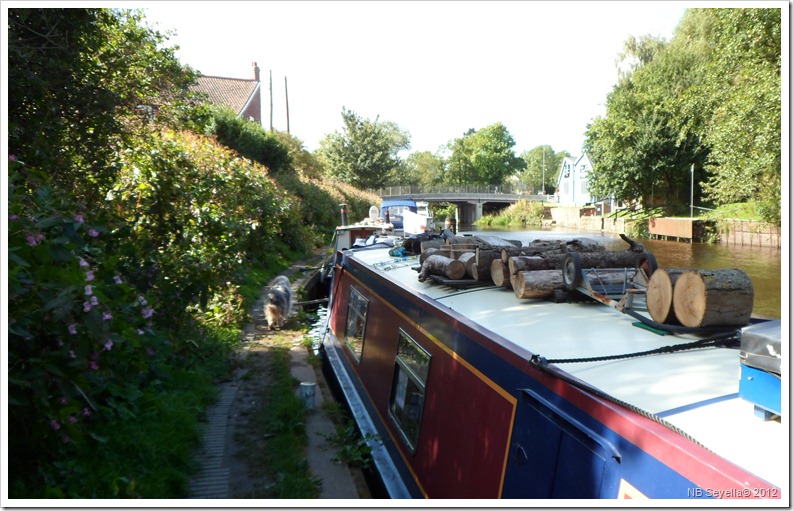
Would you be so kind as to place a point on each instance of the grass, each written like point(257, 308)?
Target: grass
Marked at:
point(278, 450)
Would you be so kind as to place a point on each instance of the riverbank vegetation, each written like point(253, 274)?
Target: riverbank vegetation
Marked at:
point(141, 223)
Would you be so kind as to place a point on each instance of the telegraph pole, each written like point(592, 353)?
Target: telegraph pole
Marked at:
point(271, 101)
point(286, 91)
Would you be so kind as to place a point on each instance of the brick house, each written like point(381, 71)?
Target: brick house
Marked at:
point(243, 95)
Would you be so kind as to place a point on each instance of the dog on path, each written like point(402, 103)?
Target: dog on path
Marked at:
point(278, 302)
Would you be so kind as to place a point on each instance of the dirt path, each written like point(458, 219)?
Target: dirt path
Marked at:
point(228, 472)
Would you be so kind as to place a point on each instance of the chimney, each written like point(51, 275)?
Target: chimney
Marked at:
point(255, 72)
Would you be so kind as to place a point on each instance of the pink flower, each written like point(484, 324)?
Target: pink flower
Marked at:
point(94, 301)
point(86, 306)
point(108, 345)
point(79, 219)
point(63, 401)
point(93, 233)
point(11, 157)
point(31, 240)
point(107, 316)
point(147, 312)
point(65, 439)
point(12, 217)
point(86, 412)
point(89, 276)
point(72, 419)
point(93, 365)
point(83, 264)
point(89, 290)
point(55, 425)
point(73, 329)
point(118, 280)
point(142, 300)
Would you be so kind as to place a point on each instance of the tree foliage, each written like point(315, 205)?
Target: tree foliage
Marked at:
point(365, 153)
point(484, 157)
point(710, 97)
point(542, 161)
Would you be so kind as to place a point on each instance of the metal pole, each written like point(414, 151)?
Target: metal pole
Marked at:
point(692, 191)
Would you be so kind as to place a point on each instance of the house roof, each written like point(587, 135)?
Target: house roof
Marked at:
point(232, 92)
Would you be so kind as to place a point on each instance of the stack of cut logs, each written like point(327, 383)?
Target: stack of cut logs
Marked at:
point(690, 297)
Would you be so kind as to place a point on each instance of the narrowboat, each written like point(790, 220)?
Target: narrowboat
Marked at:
point(466, 392)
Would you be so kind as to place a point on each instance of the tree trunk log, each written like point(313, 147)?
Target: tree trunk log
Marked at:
point(527, 263)
point(537, 284)
point(480, 273)
point(484, 256)
point(499, 272)
point(660, 291)
point(539, 247)
point(468, 259)
point(426, 252)
point(441, 265)
point(713, 297)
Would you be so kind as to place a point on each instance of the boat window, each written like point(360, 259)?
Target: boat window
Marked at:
point(356, 322)
point(407, 390)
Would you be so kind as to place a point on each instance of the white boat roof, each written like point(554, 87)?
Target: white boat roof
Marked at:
point(668, 385)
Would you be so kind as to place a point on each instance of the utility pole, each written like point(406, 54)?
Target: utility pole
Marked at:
point(271, 101)
point(543, 170)
point(286, 91)
point(692, 191)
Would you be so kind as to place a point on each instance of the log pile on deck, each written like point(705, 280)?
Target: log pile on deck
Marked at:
point(693, 298)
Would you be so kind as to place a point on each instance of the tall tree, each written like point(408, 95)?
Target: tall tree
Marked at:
point(81, 83)
point(485, 156)
point(737, 102)
point(422, 168)
point(542, 167)
point(366, 153)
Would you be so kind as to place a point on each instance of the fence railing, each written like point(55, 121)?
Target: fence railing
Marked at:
point(446, 189)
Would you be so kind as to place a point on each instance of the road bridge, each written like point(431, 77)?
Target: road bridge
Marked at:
point(472, 202)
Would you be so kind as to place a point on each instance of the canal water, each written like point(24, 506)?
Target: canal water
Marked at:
point(763, 265)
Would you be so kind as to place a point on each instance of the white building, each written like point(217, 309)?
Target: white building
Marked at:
point(573, 185)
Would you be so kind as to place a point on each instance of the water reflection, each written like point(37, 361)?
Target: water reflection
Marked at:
point(762, 264)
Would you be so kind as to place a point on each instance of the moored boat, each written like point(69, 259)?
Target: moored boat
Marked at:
point(465, 391)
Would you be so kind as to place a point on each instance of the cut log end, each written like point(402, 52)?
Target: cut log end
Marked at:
point(713, 297)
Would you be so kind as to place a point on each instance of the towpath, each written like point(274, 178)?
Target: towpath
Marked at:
point(225, 472)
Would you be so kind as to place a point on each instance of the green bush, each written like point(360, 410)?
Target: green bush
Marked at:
point(521, 213)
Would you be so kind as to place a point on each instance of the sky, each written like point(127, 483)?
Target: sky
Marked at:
point(436, 69)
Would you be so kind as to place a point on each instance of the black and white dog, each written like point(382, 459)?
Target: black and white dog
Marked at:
point(278, 302)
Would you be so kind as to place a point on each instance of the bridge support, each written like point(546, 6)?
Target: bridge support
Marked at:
point(469, 212)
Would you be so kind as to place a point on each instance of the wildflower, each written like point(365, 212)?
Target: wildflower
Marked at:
point(73, 328)
point(86, 306)
point(11, 157)
point(142, 300)
point(118, 280)
point(79, 219)
point(93, 233)
point(83, 264)
point(140, 331)
point(108, 344)
point(12, 217)
point(71, 354)
point(94, 301)
point(107, 316)
point(63, 401)
point(72, 419)
point(89, 276)
point(89, 290)
point(55, 425)
point(147, 312)
point(86, 412)
point(92, 365)
point(65, 439)
point(31, 240)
